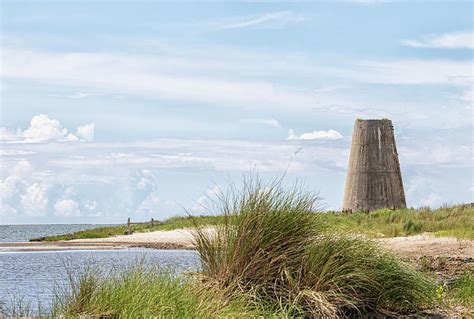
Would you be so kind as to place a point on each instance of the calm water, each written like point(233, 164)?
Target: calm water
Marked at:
point(14, 233)
point(33, 276)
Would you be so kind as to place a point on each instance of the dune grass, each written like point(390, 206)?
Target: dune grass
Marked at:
point(140, 292)
point(271, 249)
point(273, 255)
point(456, 221)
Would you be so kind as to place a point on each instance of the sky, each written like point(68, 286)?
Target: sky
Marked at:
point(116, 109)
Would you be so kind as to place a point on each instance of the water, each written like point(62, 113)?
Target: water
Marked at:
point(16, 233)
point(33, 276)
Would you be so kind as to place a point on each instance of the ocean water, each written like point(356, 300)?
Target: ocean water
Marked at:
point(33, 276)
point(19, 233)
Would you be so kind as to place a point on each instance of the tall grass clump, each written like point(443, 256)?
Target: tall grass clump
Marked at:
point(271, 249)
point(140, 292)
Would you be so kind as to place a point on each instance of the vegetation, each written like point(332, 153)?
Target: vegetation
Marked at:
point(139, 292)
point(456, 221)
point(461, 292)
point(271, 249)
point(271, 256)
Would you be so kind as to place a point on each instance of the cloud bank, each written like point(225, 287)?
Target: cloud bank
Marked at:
point(44, 129)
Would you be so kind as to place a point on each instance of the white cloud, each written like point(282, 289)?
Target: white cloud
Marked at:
point(35, 200)
point(6, 135)
point(10, 187)
point(150, 205)
point(22, 169)
point(82, 95)
point(44, 129)
point(145, 75)
point(271, 19)
point(239, 81)
point(205, 202)
point(316, 135)
point(262, 121)
point(91, 205)
point(66, 208)
point(410, 72)
point(145, 181)
point(455, 40)
point(86, 132)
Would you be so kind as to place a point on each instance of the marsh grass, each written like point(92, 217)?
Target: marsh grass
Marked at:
point(18, 306)
point(271, 248)
point(141, 292)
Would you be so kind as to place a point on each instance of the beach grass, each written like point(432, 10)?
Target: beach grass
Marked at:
point(454, 221)
point(140, 292)
point(272, 253)
point(272, 250)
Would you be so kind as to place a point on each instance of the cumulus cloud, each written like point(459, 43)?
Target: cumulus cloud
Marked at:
point(454, 40)
point(144, 180)
point(86, 132)
point(66, 208)
point(35, 200)
point(45, 129)
point(316, 135)
point(22, 169)
point(9, 187)
point(91, 205)
point(203, 203)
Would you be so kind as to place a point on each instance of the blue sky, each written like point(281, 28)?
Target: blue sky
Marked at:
point(145, 108)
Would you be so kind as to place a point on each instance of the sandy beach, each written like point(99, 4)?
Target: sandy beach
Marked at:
point(411, 246)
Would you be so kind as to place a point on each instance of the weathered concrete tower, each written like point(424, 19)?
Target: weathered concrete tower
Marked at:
point(373, 179)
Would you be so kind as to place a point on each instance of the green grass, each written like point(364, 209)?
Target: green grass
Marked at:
point(271, 249)
point(274, 255)
point(456, 221)
point(462, 290)
point(138, 292)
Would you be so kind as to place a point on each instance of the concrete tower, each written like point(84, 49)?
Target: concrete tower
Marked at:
point(373, 179)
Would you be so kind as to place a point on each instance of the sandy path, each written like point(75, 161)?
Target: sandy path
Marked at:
point(429, 245)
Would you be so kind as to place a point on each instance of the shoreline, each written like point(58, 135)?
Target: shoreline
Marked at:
point(407, 246)
point(173, 239)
